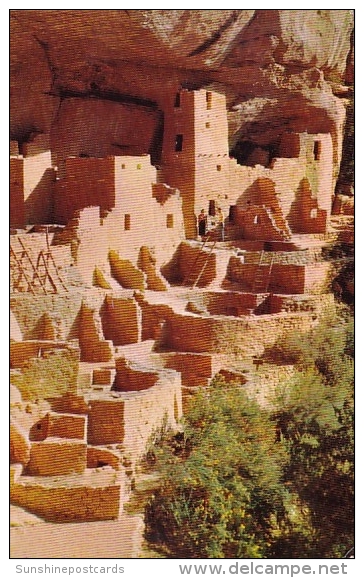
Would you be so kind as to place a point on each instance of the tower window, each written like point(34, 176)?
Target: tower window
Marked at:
point(218, 168)
point(177, 102)
point(127, 223)
point(169, 221)
point(212, 208)
point(123, 166)
point(207, 125)
point(313, 214)
point(178, 143)
point(139, 166)
point(232, 213)
point(208, 100)
point(317, 150)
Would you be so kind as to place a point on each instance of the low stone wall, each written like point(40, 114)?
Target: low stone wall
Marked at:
point(19, 443)
point(127, 274)
point(318, 278)
point(100, 457)
point(103, 376)
point(49, 376)
point(94, 347)
point(29, 310)
point(225, 302)
point(191, 262)
point(106, 421)
point(149, 411)
point(257, 224)
point(132, 418)
point(147, 263)
point(60, 425)
point(153, 319)
point(57, 457)
point(121, 320)
point(22, 351)
point(132, 377)
point(67, 426)
point(283, 278)
point(195, 369)
point(296, 303)
point(93, 496)
point(247, 335)
point(284, 256)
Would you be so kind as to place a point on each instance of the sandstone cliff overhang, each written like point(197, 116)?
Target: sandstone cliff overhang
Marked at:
point(276, 67)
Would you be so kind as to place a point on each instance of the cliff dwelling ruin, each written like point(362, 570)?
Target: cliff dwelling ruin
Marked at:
point(120, 309)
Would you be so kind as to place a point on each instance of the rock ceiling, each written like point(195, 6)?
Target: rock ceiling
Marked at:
point(280, 70)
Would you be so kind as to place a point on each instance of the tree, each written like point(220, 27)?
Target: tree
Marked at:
point(242, 481)
point(221, 494)
point(315, 421)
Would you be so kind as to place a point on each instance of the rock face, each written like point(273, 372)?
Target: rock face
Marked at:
point(279, 70)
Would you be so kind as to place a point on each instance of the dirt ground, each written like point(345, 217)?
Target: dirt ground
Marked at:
point(32, 537)
point(112, 539)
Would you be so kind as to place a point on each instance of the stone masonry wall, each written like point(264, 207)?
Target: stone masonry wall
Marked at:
point(88, 182)
point(16, 197)
point(248, 335)
point(133, 417)
point(121, 320)
point(192, 261)
point(57, 457)
point(90, 497)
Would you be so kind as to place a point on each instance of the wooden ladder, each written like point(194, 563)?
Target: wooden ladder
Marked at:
point(192, 280)
point(21, 271)
point(26, 267)
point(39, 278)
point(263, 272)
point(49, 256)
point(35, 275)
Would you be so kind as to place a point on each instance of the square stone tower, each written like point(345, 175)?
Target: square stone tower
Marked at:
point(195, 152)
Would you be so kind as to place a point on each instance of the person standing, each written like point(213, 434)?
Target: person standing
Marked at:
point(221, 222)
point(202, 221)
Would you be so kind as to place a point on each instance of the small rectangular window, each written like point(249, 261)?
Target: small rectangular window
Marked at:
point(169, 221)
point(123, 166)
point(208, 100)
point(218, 168)
point(207, 124)
point(139, 166)
point(127, 222)
point(232, 213)
point(317, 150)
point(212, 208)
point(177, 102)
point(178, 143)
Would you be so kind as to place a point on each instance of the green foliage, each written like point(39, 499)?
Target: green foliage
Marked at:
point(321, 470)
point(341, 256)
point(328, 347)
point(315, 423)
point(221, 494)
point(347, 162)
point(244, 482)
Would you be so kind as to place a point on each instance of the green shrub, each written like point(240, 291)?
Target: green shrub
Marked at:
point(242, 482)
point(221, 494)
point(314, 416)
